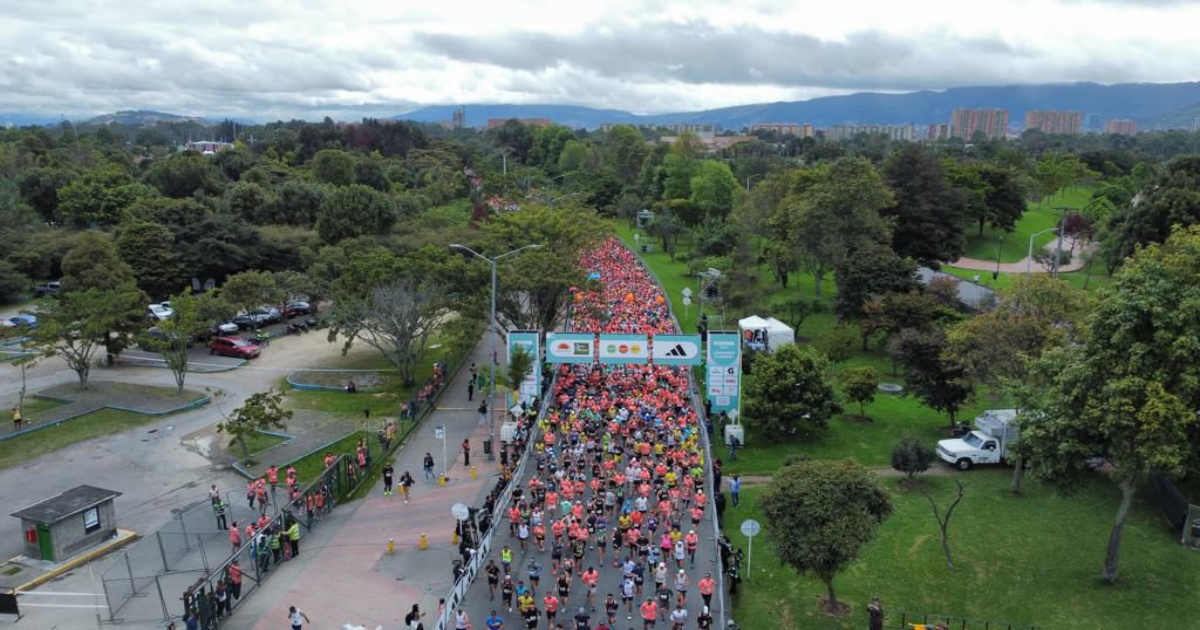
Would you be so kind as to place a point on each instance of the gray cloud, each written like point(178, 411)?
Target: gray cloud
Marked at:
point(701, 53)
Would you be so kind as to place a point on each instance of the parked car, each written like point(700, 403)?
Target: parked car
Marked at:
point(49, 288)
point(17, 321)
point(153, 340)
point(258, 317)
point(297, 307)
point(233, 347)
point(161, 312)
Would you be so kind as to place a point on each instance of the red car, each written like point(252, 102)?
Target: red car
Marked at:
point(233, 347)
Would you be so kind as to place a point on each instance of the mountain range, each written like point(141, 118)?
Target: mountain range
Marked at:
point(1152, 105)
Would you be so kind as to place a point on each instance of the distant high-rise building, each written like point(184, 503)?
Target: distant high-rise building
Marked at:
point(459, 119)
point(1196, 124)
point(800, 131)
point(939, 131)
point(992, 122)
point(1054, 122)
point(701, 130)
point(1120, 127)
point(893, 132)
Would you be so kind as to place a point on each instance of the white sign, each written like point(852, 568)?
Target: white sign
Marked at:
point(676, 349)
point(750, 528)
point(460, 511)
point(439, 432)
point(620, 348)
point(570, 347)
point(687, 301)
point(687, 292)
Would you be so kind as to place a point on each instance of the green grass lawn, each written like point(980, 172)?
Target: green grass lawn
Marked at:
point(34, 406)
point(96, 424)
point(258, 442)
point(310, 467)
point(1032, 559)
point(384, 400)
point(1038, 216)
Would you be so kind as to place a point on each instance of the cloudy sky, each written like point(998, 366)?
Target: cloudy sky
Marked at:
point(265, 59)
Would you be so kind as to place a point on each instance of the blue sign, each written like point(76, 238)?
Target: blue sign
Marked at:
point(723, 385)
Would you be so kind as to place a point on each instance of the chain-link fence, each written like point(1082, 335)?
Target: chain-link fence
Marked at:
point(194, 552)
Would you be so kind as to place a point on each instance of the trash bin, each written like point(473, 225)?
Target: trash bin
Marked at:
point(487, 446)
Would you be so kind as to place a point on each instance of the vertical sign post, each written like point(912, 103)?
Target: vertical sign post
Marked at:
point(724, 370)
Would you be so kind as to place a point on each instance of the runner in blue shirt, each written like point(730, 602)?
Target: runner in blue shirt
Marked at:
point(494, 622)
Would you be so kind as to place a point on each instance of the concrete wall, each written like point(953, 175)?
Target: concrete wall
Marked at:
point(69, 536)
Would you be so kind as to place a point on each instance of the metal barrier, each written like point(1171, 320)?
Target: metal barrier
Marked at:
point(931, 621)
point(256, 557)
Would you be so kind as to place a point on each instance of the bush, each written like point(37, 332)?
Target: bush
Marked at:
point(912, 455)
point(12, 283)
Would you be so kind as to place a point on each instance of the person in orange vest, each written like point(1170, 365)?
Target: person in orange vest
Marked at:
point(273, 476)
point(235, 537)
point(235, 579)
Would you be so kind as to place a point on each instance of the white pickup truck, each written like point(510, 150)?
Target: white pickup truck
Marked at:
point(995, 433)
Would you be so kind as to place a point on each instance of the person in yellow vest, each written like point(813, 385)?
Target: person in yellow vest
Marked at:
point(293, 537)
point(16, 419)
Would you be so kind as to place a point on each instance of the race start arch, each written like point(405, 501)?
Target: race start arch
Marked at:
point(623, 349)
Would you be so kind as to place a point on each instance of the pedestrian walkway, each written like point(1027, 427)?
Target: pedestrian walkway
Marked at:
point(1027, 265)
point(350, 577)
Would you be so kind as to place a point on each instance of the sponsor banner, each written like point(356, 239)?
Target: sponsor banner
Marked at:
point(624, 348)
point(531, 385)
point(676, 350)
point(570, 347)
point(724, 376)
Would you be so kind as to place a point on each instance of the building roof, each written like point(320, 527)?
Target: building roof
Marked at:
point(72, 501)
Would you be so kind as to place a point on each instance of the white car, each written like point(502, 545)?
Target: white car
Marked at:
point(161, 312)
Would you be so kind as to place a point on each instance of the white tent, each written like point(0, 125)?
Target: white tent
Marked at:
point(768, 333)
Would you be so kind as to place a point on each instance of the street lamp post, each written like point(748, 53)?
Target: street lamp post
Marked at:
point(999, 248)
point(504, 156)
point(750, 178)
point(495, 333)
point(1029, 259)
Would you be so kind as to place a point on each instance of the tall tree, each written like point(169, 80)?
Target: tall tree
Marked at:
point(859, 386)
point(679, 166)
point(252, 289)
point(928, 214)
point(871, 270)
point(193, 316)
point(819, 516)
point(149, 250)
point(333, 167)
point(100, 196)
point(1131, 389)
point(185, 174)
point(395, 318)
point(836, 215)
point(355, 210)
point(713, 189)
point(1172, 199)
point(624, 151)
point(76, 325)
point(933, 376)
point(788, 389)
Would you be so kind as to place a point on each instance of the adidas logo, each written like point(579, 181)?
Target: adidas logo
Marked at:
point(678, 351)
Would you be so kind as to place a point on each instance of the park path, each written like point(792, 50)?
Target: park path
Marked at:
point(880, 471)
point(1077, 261)
point(345, 575)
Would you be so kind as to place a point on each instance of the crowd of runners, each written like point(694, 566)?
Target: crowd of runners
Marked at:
point(617, 485)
